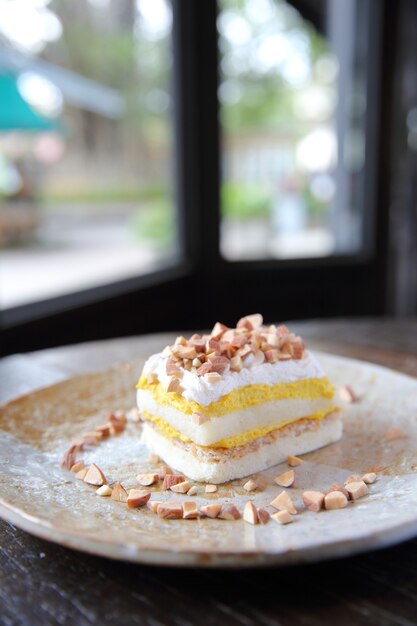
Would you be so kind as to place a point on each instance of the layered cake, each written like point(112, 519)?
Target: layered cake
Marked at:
point(237, 401)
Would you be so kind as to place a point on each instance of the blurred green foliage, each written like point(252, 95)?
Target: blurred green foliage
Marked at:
point(154, 223)
point(244, 201)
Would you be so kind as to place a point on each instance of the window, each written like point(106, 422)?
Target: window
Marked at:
point(276, 180)
point(86, 145)
point(293, 104)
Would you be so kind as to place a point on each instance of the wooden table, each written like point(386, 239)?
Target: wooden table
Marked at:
point(42, 583)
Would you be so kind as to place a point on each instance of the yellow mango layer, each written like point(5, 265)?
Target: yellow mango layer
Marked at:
point(243, 397)
point(231, 442)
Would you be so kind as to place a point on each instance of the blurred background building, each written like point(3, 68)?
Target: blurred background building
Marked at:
point(239, 146)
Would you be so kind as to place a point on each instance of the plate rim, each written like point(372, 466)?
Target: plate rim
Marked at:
point(122, 551)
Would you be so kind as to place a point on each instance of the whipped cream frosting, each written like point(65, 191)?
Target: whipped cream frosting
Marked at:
point(198, 389)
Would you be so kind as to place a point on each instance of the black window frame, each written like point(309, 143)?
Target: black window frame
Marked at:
point(202, 287)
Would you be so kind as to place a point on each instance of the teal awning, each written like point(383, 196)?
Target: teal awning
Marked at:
point(16, 113)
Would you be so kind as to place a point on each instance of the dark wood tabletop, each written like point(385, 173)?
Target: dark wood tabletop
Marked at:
point(44, 584)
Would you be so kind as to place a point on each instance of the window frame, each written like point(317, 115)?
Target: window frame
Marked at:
point(209, 287)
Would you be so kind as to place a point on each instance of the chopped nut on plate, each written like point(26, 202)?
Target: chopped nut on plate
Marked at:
point(313, 500)
point(104, 491)
point(229, 512)
point(172, 479)
point(250, 514)
point(335, 500)
point(81, 473)
point(137, 497)
point(153, 505)
point(79, 465)
point(103, 430)
point(282, 517)
point(251, 485)
point(192, 491)
point(119, 493)
point(263, 515)
point(163, 471)
point(283, 502)
point(147, 479)
point(182, 487)
point(351, 479)
point(189, 510)
point(286, 479)
point(69, 458)
point(210, 510)
point(95, 476)
point(357, 489)
point(293, 461)
point(347, 394)
point(211, 488)
point(169, 510)
point(369, 478)
point(337, 487)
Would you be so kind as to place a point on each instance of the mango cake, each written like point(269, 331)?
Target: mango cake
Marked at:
point(237, 401)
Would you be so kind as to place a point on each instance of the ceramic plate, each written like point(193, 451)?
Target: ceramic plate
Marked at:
point(41, 498)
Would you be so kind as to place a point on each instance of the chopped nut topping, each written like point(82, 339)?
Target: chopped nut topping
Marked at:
point(181, 487)
point(210, 510)
point(137, 497)
point(236, 363)
point(199, 418)
point(229, 512)
point(119, 493)
point(282, 517)
point(153, 458)
point(263, 515)
point(104, 491)
point(172, 369)
point(251, 485)
point(293, 461)
point(78, 466)
point(283, 502)
point(357, 489)
point(189, 510)
point(169, 510)
point(335, 500)
point(211, 488)
point(172, 479)
point(174, 386)
point(313, 500)
point(212, 377)
point(250, 514)
point(192, 491)
point(218, 330)
point(95, 476)
point(248, 345)
point(147, 479)
point(286, 479)
point(369, 478)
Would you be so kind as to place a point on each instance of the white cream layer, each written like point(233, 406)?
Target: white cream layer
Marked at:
point(218, 428)
point(198, 389)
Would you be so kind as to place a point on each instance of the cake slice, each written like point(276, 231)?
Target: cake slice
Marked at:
point(222, 406)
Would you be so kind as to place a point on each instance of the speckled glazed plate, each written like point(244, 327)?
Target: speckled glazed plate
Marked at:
point(41, 498)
